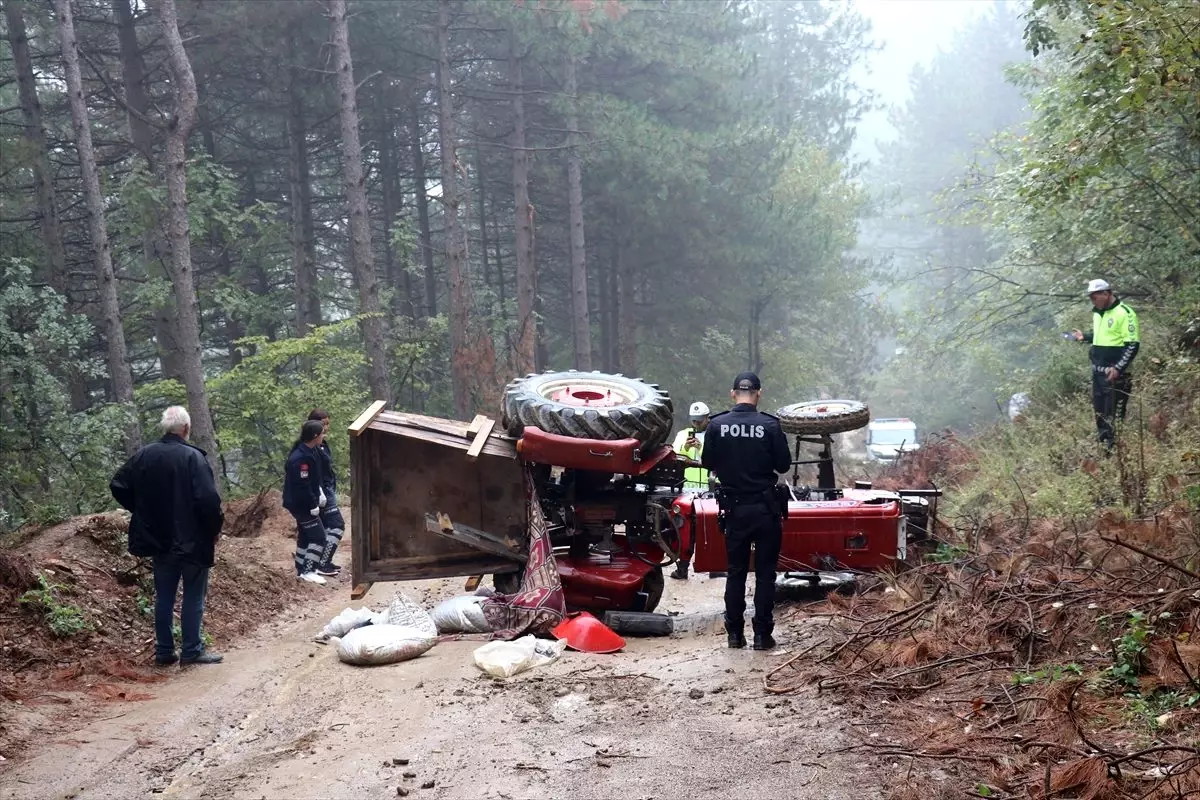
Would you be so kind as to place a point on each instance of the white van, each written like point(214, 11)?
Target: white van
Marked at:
point(887, 437)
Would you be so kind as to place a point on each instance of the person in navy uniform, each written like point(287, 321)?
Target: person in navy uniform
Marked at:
point(304, 497)
point(331, 516)
point(747, 450)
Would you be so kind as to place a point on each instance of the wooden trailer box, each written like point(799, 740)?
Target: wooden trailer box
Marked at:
point(412, 474)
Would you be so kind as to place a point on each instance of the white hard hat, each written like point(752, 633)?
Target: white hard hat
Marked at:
point(698, 410)
point(1098, 285)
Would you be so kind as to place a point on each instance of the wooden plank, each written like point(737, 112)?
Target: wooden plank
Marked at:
point(472, 583)
point(495, 445)
point(360, 590)
point(476, 424)
point(367, 417)
point(481, 438)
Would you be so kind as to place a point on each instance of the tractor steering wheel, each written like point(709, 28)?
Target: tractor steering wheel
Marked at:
point(669, 543)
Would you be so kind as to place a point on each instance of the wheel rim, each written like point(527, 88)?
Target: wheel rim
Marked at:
point(588, 393)
point(822, 409)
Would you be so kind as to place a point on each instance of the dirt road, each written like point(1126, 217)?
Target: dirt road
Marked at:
point(282, 718)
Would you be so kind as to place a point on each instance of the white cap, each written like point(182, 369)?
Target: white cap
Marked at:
point(1098, 285)
point(697, 411)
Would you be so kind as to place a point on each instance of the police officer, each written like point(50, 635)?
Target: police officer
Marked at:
point(689, 443)
point(747, 450)
point(302, 495)
point(1115, 339)
point(331, 516)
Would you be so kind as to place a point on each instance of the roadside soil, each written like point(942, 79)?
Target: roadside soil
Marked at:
point(282, 717)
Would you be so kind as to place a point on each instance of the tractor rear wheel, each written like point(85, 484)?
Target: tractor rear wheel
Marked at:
point(589, 405)
point(823, 416)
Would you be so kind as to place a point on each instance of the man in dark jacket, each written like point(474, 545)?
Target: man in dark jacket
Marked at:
point(303, 496)
point(331, 516)
point(170, 490)
point(747, 450)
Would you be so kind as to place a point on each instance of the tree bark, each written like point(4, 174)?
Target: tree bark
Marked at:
point(362, 260)
point(35, 135)
point(304, 258)
point(397, 274)
point(137, 107)
point(106, 284)
point(526, 271)
point(469, 351)
point(626, 311)
point(187, 307)
point(581, 320)
point(421, 179)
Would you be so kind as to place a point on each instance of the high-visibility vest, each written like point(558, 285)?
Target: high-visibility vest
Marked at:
point(693, 477)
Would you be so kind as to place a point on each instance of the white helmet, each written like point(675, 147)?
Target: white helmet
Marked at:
point(698, 410)
point(1098, 285)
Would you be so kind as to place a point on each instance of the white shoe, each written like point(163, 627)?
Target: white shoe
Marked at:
point(313, 577)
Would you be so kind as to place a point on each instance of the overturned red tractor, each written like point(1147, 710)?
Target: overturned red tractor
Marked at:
point(439, 498)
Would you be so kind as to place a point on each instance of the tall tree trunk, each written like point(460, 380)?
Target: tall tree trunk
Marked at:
point(304, 261)
point(626, 311)
point(581, 319)
point(362, 261)
point(154, 246)
point(498, 260)
point(526, 277)
point(35, 135)
point(398, 276)
point(106, 283)
point(187, 307)
point(483, 232)
point(218, 245)
point(466, 348)
point(421, 179)
point(604, 309)
point(55, 274)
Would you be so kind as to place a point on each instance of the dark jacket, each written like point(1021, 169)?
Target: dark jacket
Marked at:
point(170, 490)
point(746, 448)
point(328, 477)
point(302, 480)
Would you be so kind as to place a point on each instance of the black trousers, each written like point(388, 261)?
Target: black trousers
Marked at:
point(757, 525)
point(1109, 400)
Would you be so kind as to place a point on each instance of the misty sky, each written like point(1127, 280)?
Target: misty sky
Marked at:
point(911, 31)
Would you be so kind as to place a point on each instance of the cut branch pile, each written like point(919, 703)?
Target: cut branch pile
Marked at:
point(1064, 666)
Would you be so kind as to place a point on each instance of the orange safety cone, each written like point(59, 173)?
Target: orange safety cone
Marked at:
point(586, 633)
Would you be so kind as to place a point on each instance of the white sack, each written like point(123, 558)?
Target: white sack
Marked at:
point(383, 644)
point(505, 659)
point(345, 622)
point(406, 613)
point(463, 614)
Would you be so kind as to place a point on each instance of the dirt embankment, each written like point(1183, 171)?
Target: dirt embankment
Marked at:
point(76, 624)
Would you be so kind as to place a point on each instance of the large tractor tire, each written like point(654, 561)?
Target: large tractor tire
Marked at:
point(818, 417)
point(589, 405)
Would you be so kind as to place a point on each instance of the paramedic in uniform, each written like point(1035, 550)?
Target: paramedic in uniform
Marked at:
point(689, 443)
point(748, 450)
point(1115, 339)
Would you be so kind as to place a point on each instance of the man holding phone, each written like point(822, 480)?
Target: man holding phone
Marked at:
point(689, 445)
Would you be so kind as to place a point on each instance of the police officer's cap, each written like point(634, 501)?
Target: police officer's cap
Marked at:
point(746, 382)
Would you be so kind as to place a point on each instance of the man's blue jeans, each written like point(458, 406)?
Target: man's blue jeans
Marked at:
point(167, 576)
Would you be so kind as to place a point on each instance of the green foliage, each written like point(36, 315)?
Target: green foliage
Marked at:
point(260, 404)
point(1049, 674)
point(54, 461)
point(63, 619)
point(1129, 649)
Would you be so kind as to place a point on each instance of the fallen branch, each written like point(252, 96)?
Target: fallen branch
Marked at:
point(1164, 561)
